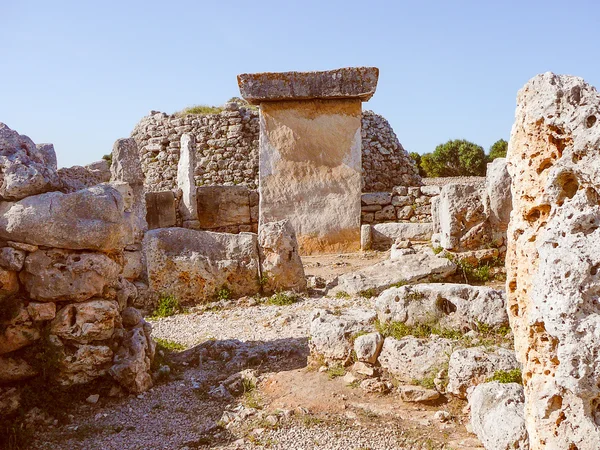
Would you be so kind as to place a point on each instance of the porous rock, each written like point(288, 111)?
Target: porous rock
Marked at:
point(93, 320)
point(133, 359)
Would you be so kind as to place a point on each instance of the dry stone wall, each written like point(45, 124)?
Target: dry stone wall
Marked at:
point(403, 204)
point(227, 150)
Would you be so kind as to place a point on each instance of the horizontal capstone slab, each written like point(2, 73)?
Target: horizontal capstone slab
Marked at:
point(349, 82)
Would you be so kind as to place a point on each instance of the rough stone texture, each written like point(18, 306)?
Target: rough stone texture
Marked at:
point(280, 264)
point(11, 258)
point(222, 206)
point(24, 168)
point(368, 346)
point(194, 265)
point(161, 210)
point(60, 275)
point(76, 178)
point(15, 369)
point(40, 312)
point(185, 177)
point(417, 394)
point(409, 268)
point(18, 331)
point(80, 363)
point(410, 358)
point(9, 283)
point(385, 234)
point(458, 306)
point(462, 218)
point(497, 416)
point(472, 366)
point(331, 333)
point(310, 171)
point(227, 150)
point(499, 198)
point(553, 258)
point(349, 82)
point(85, 322)
point(91, 219)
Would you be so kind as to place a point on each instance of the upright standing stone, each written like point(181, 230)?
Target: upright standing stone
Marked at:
point(126, 166)
point(185, 178)
point(553, 259)
point(310, 152)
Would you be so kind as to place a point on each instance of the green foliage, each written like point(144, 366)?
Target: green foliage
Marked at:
point(398, 330)
point(510, 376)
point(263, 280)
point(427, 382)
point(455, 158)
point(498, 150)
point(282, 299)
point(399, 284)
point(200, 109)
point(108, 158)
point(170, 345)
point(416, 157)
point(356, 335)
point(336, 371)
point(368, 293)
point(437, 249)
point(342, 294)
point(224, 293)
point(167, 306)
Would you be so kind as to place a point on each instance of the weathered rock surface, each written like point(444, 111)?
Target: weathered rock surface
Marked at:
point(553, 258)
point(194, 265)
point(281, 266)
point(457, 306)
point(40, 312)
point(85, 322)
point(385, 234)
point(80, 363)
point(368, 346)
point(10, 400)
point(91, 219)
point(60, 275)
point(17, 331)
point(497, 416)
point(76, 178)
point(126, 162)
point(349, 82)
point(15, 369)
point(221, 206)
point(11, 258)
point(417, 394)
point(472, 366)
point(24, 168)
point(407, 268)
point(331, 333)
point(499, 198)
point(411, 358)
point(9, 283)
point(185, 177)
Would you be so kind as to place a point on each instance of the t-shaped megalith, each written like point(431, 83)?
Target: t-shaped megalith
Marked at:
point(310, 152)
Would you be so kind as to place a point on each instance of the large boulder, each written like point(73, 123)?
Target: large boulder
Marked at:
point(385, 234)
point(450, 305)
point(332, 334)
point(553, 276)
point(499, 199)
point(24, 168)
point(407, 268)
point(17, 329)
point(76, 178)
point(413, 359)
point(90, 219)
point(61, 275)
point(472, 366)
point(281, 266)
point(195, 265)
point(497, 416)
point(79, 363)
point(94, 320)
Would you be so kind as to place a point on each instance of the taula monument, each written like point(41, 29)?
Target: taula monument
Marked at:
point(310, 152)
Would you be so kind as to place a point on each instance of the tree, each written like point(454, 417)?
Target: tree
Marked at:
point(498, 150)
point(455, 158)
point(416, 157)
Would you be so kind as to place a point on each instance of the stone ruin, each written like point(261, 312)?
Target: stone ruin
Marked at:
point(83, 258)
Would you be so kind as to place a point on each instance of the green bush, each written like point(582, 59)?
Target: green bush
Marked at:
point(200, 109)
point(167, 306)
point(224, 293)
point(108, 158)
point(498, 150)
point(416, 157)
point(510, 376)
point(282, 299)
point(455, 158)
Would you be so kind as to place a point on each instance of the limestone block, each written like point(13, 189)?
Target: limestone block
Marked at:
point(553, 258)
point(368, 346)
point(85, 322)
point(280, 263)
point(133, 359)
point(161, 211)
point(17, 330)
point(349, 82)
point(24, 168)
point(417, 394)
point(185, 177)
point(194, 265)
point(331, 333)
point(11, 258)
point(310, 171)
point(40, 312)
point(430, 191)
point(221, 206)
point(472, 366)
point(62, 275)
point(386, 213)
point(499, 198)
point(134, 266)
point(80, 363)
point(457, 306)
point(410, 358)
point(376, 198)
point(90, 219)
point(385, 234)
point(366, 239)
point(126, 162)
point(14, 368)
point(9, 283)
point(75, 178)
point(497, 416)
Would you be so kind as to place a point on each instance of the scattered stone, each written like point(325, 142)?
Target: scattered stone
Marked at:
point(385, 234)
point(349, 378)
point(363, 369)
point(417, 394)
point(374, 386)
point(442, 416)
point(368, 346)
point(93, 399)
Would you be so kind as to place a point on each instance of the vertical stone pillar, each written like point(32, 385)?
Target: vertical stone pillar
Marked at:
point(126, 167)
point(310, 152)
point(185, 181)
point(553, 259)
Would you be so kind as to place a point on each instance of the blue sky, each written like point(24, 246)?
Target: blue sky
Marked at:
point(81, 74)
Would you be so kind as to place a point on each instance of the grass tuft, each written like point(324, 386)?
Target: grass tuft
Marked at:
point(167, 306)
point(507, 376)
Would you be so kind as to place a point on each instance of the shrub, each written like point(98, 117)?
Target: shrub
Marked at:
point(282, 299)
point(498, 150)
point(368, 293)
point(200, 109)
point(108, 158)
point(224, 293)
point(455, 158)
point(167, 306)
point(416, 157)
point(336, 371)
point(507, 376)
point(170, 345)
point(342, 294)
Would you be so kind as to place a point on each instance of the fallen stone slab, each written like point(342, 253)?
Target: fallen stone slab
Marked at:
point(450, 305)
point(497, 416)
point(417, 394)
point(194, 266)
point(385, 234)
point(409, 268)
point(349, 82)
